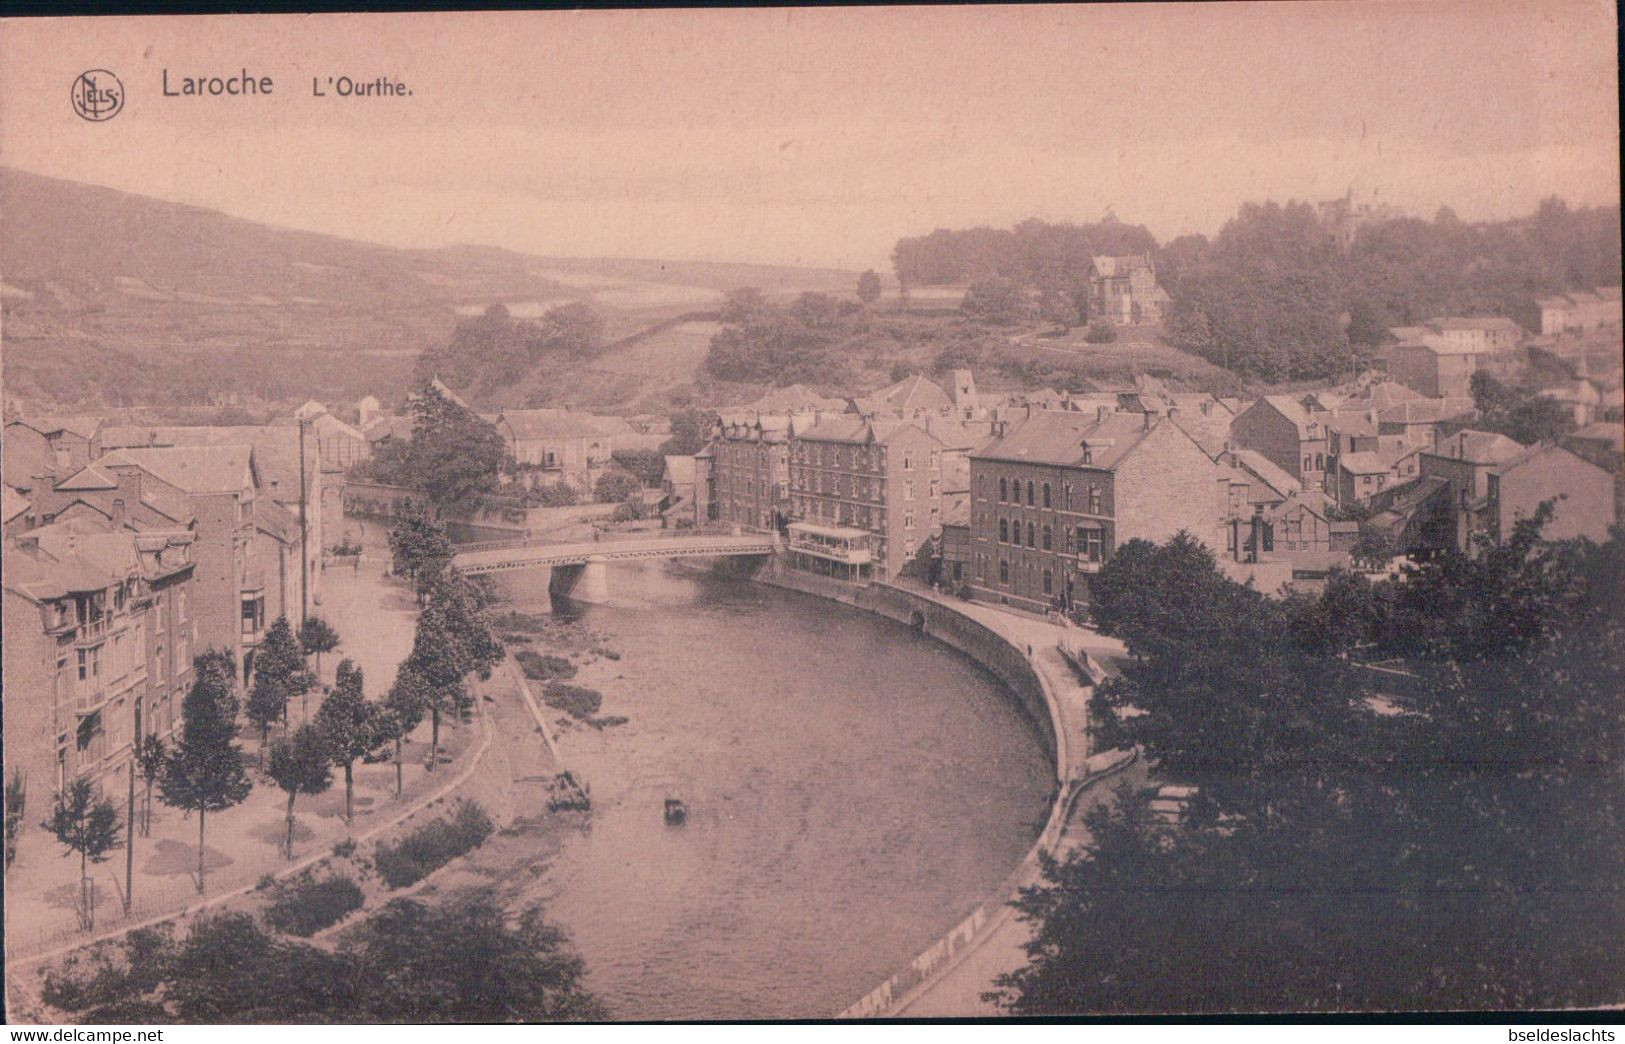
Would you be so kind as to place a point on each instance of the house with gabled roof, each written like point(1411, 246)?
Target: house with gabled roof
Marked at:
point(1290, 436)
point(1054, 496)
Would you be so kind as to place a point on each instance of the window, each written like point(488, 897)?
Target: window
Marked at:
point(1091, 543)
point(1030, 500)
point(908, 463)
point(1306, 462)
point(1088, 454)
point(1094, 499)
point(1046, 494)
point(1320, 462)
point(908, 490)
point(1030, 541)
point(1004, 490)
point(1049, 582)
point(1004, 571)
point(158, 613)
point(1066, 535)
point(1004, 531)
point(1047, 539)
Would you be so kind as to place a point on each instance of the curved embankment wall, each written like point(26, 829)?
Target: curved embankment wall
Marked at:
point(1012, 666)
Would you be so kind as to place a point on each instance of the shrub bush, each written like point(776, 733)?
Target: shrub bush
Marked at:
point(1100, 332)
point(433, 845)
point(540, 667)
point(304, 905)
point(576, 700)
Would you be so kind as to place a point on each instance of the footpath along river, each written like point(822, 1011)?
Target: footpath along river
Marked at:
point(854, 790)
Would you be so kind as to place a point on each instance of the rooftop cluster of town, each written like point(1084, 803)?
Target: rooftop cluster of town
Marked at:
point(128, 549)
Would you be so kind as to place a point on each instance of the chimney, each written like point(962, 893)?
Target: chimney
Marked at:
point(1146, 421)
point(1102, 412)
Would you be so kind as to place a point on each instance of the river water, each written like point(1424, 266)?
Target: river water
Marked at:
point(854, 791)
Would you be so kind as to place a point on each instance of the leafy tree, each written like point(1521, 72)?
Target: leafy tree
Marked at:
point(1518, 413)
point(1346, 844)
point(204, 770)
point(89, 826)
point(405, 705)
point(317, 636)
point(869, 287)
point(690, 431)
point(442, 662)
point(998, 301)
point(1372, 548)
point(1100, 331)
point(417, 543)
point(614, 487)
point(350, 726)
point(16, 809)
point(556, 494)
point(301, 764)
point(1057, 307)
point(648, 465)
point(743, 305)
point(454, 457)
point(462, 961)
point(150, 753)
point(279, 675)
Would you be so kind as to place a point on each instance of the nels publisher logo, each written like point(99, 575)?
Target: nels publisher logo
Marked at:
point(97, 95)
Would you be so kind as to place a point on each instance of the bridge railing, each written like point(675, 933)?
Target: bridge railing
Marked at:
point(622, 536)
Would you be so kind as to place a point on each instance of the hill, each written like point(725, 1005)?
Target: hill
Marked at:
point(113, 299)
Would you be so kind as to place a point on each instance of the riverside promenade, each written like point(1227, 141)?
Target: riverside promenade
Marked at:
point(949, 979)
point(376, 619)
point(955, 989)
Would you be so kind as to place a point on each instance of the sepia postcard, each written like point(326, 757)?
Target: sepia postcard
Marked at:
point(813, 514)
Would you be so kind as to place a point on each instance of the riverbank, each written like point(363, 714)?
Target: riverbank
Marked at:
point(950, 978)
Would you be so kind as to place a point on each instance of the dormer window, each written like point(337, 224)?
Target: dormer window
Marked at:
point(1088, 454)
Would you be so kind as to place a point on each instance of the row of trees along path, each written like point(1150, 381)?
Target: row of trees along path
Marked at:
point(202, 771)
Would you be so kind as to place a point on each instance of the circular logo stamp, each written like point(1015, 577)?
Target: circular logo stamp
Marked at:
point(97, 95)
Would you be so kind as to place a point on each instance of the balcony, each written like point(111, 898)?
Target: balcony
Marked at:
point(1085, 564)
point(832, 543)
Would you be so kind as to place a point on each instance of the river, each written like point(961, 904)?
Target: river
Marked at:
point(854, 791)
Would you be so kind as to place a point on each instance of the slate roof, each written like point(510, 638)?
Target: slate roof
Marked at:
point(1480, 447)
point(554, 424)
point(906, 396)
point(794, 399)
point(1362, 464)
point(15, 504)
point(1059, 437)
point(1267, 471)
point(192, 469)
point(275, 446)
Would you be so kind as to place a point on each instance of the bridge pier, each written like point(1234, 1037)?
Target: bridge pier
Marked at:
point(582, 582)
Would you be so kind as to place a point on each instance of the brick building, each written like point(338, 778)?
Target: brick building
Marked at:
point(98, 648)
point(1056, 494)
point(246, 548)
point(881, 475)
point(1287, 434)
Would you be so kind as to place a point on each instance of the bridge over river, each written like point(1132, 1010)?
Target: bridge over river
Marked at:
point(579, 566)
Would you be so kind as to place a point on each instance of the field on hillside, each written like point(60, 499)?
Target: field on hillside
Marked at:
point(114, 299)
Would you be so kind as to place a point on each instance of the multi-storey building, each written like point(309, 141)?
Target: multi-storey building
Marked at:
point(1124, 290)
point(290, 472)
point(246, 547)
point(1054, 496)
point(39, 449)
point(1288, 434)
point(882, 475)
point(98, 647)
point(747, 470)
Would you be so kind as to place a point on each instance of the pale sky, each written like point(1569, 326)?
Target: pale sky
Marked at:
point(821, 136)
